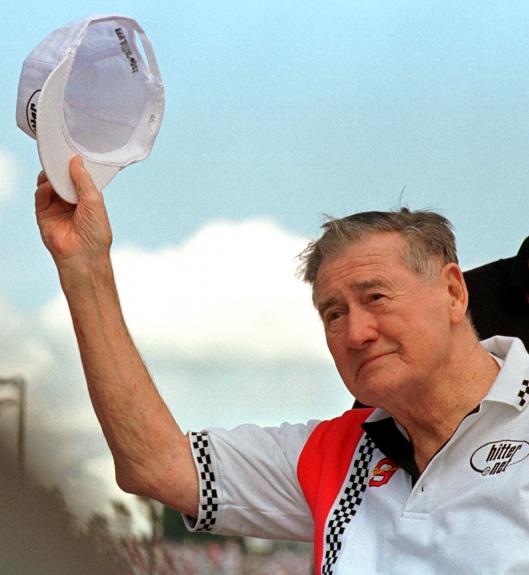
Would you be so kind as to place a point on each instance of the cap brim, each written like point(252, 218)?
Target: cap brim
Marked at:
point(55, 150)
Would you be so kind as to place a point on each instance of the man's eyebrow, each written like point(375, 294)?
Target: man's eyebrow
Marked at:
point(369, 284)
point(362, 286)
point(324, 306)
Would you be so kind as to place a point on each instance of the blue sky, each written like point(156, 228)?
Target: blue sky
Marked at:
point(293, 109)
point(276, 113)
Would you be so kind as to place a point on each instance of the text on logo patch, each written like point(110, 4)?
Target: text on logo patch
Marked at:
point(497, 456)
point(31, 111)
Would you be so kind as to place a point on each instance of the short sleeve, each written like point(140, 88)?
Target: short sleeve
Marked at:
point(248, 482)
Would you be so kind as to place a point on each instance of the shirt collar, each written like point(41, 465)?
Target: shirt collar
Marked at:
point(511, 385)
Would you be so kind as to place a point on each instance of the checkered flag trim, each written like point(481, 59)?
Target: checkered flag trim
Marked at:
point(209, 500)
point(348, 504)
point(523, 394)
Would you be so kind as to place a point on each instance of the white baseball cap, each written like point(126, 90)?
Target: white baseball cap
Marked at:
point(88, 89)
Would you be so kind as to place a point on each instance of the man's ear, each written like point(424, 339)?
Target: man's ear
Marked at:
point(456, 291)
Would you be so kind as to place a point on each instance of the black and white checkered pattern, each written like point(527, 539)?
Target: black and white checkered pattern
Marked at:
point(348, 504)
point(523, 393)
point(209, 501)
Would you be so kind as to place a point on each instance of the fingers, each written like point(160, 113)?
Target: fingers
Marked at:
point(84, 186)
point(41, 178)
point(43, 195)
point(82, 180)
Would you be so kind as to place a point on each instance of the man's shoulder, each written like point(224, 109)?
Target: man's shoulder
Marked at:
point(333, 435)
point(327, 456)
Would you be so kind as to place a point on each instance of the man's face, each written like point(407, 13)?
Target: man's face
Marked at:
point(388, 330)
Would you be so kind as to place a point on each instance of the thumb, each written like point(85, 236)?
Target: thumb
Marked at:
point(84, 185)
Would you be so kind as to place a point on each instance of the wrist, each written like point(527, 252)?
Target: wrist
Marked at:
point(78, 273)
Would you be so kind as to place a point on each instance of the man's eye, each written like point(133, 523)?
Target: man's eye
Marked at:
point(332, 317)
point(374, 297)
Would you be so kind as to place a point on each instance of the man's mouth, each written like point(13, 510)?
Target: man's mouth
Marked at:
point(372, 358)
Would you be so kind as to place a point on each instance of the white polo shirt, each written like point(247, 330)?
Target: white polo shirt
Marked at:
point(351, 485)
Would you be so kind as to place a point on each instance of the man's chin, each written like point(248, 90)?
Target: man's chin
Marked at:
point(365, 395)
point(371, 391)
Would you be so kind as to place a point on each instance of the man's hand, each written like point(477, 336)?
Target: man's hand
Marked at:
point(76, 234)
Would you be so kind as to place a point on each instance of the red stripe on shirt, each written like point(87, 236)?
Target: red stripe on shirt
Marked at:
point(323, 465)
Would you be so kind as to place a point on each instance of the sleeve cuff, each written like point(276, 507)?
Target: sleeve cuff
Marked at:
point(209, 500)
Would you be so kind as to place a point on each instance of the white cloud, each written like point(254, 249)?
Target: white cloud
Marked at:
point(23, 350)
point(228, 294)
point(8, 174)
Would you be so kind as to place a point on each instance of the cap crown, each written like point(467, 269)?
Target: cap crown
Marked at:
point(112, 103)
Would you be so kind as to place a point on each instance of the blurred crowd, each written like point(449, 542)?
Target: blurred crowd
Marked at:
point(40, 536)
point(212, 558)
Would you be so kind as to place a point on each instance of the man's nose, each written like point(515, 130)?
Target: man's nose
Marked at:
point(361, 329)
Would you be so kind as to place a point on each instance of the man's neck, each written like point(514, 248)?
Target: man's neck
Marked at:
point(433, 418)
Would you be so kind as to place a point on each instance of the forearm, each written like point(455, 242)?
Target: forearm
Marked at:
point(150, 452)
point(151, 455)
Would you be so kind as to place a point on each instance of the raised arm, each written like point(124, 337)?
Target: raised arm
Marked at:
point(152, 456)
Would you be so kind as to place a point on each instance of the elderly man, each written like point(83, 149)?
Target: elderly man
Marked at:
point(432, 480)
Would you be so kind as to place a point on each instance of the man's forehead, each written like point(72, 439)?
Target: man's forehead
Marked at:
point(326, 300)
point(366, 264)
point(355, 279)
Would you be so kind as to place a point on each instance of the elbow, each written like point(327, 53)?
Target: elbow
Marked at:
point(132, 482)
point(170, 478)
point(183, 497)
point(127, 484)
